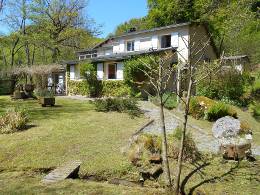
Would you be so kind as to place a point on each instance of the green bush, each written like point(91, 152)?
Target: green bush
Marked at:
point(118, 105)
point(219, 110)
point(255, 109)
point(256, 90)
point(115, 89)
point(78, 88)
point(203, 107)
point(13, 120)
point(190, 152)
point(170, 100)
point(230, 86)
point(196, 110)
point(5, 87)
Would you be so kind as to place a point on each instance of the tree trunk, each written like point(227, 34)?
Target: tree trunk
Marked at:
point(179, 165)
point(166, 167)
point(178, 88)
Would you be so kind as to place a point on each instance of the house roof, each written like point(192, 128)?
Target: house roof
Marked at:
point(123, 56)
point(136, 33)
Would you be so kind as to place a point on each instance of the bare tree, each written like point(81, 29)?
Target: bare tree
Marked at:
point(159, 70)
point(1, 5)
point(196, 69)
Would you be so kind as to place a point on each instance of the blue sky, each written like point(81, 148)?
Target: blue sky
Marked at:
point(110, 13)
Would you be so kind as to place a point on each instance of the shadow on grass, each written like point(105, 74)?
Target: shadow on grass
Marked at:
point(210, 180)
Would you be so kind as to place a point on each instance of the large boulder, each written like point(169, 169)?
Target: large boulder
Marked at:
point(234, 142)
point(226, 127)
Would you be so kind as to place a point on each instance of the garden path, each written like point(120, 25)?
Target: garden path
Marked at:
point(204, 141)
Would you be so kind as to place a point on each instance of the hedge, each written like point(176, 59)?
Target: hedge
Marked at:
point(108, 88)
point(78, 88)
point(115, 89)
point(5, 87)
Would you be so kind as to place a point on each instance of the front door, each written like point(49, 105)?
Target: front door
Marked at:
point(111, 71)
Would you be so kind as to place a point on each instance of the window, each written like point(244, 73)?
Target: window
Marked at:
point(166, 41)
point(111, 71)
point(130, 45)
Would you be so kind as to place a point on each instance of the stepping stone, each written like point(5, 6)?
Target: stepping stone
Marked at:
point(68, 170)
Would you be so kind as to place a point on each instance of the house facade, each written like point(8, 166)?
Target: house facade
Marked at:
point(109, 56)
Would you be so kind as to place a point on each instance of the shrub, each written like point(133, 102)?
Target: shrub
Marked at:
point(13, 120)
point(256, 90)
point(118, 105)
point(229, 85)
point(198, 106)
point(78, 88)
point(190, 152)
point(44, 93)
point(219, 110)
point(196, 110)
point(255, 109)
point(115, 89)
point(169, 99)
point(203, 107)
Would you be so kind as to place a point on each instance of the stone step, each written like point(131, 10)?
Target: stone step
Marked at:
point(68, 170)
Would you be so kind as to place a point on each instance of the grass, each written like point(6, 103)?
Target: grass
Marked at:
point(71, 130)
point(74, 130)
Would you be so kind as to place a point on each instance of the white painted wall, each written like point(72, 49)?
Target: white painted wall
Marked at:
point(183, 42)
point(175, 39)
point(155, 41)
point(72, 72)
point(100, 71)
point(120, 71)
point(145, 43)
point(121, 45)
point(116, 48)
point(137, 44)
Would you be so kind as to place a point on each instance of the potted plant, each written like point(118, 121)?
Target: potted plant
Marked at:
point(46, 97)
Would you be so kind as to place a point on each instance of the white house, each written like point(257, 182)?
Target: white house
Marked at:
point(109, 55)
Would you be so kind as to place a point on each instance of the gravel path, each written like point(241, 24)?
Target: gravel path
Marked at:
point(204, 141)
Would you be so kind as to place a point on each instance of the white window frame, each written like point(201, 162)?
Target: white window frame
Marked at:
point(132, 45)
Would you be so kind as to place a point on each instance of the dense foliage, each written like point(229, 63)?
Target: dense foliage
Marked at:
point(118, 105)
point(203, 107)
point(233, 24)
point(229, 86)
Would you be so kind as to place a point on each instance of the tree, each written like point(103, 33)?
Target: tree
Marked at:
point(1, 5)
point(158, 70)
point(137, 23)
point(59, 23)
point(195, 70)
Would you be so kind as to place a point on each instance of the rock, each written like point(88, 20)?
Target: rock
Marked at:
point(226, 127)
point(156, 159)
point(236, 151)
point(233, 144)
point(155, 171)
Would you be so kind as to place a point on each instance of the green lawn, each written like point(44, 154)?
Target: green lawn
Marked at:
point(71, 130)
point(74, 130)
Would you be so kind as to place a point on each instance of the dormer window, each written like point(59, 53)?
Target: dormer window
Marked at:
point(130, 45)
